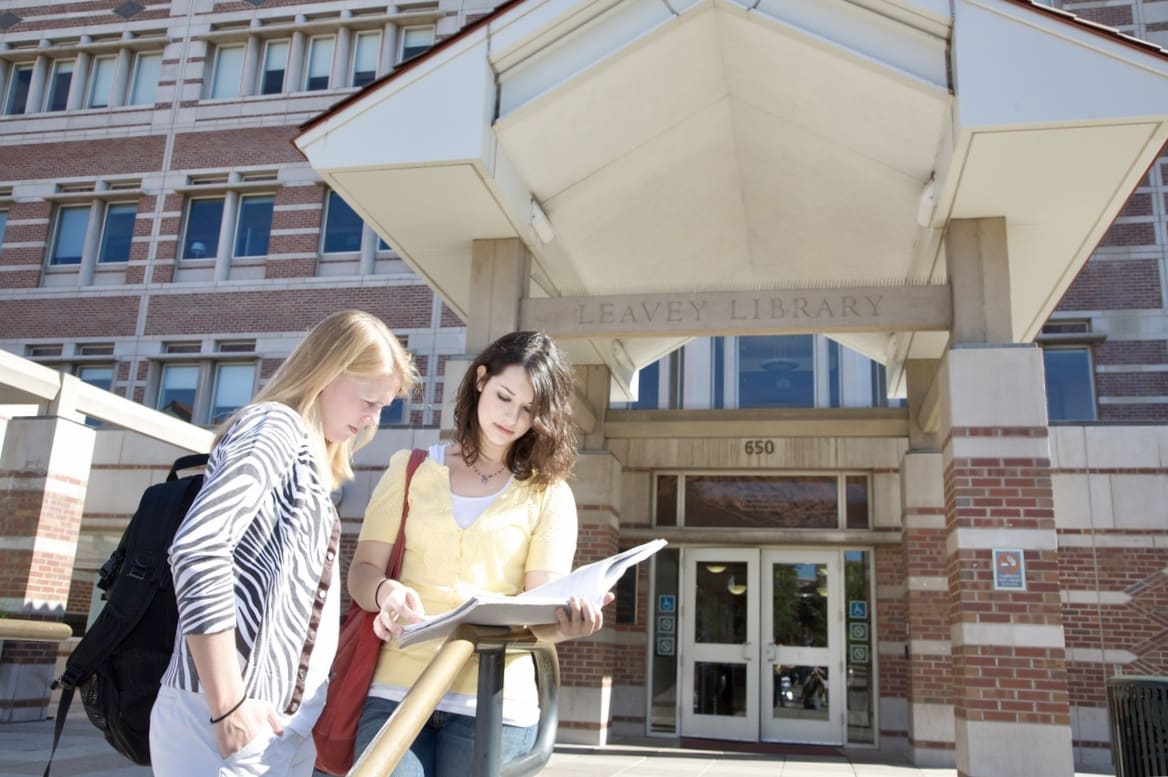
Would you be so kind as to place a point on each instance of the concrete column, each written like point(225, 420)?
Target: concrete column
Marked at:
point(226, 247)
point(341, 75)
point(251, 66)
point(499, 277)
point(587, 666)
point(91, 245)
point(44, 470)
point(388, 49)
point(294, 78)
point(36, 87)
point(979, 276)
point(78, 82)
point(1011, 700)
point(369, 240)
point(121, 78)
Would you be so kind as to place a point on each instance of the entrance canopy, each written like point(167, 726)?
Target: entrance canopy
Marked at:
point(682, 147)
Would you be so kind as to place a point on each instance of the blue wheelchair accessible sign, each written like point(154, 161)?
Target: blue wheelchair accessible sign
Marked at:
point(666, 603)
point(857, 609)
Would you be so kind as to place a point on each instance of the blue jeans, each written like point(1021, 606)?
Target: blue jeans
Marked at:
point(445, 745)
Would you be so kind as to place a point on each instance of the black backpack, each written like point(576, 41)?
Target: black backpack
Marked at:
point(117, 666)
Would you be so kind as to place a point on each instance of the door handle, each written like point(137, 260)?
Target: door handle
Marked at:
point(771, 653)
point(747, 653)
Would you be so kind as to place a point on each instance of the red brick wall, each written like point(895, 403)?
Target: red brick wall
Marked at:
point(1004, 683)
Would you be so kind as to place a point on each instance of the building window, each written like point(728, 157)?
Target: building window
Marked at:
point(393, 414)
point(57, 94)
point(69, 235)
point(254, 226)
point(3, 224)
point(275, 65)
point(144, 85)
point(415, 40)
point(320, 63)
point(1070, 375)
point(1070, 384)
point(366, 53)
point(176, 390)
point(227, 72)
point(776, 371)
point(791, 501)
point(101, 82)
point(118, 232)
point(233, 389)
point(204, 219)
point(16, 98)
point(342, 226)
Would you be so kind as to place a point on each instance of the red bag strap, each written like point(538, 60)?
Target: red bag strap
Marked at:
point(393, 568)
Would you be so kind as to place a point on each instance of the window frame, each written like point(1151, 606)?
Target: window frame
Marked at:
point(132, 97)
point(239, 225)
point(211, 250)
point(353, 72)
point(842, 478)
point(331, 197)
point(266, 69)
point(310, 50)
point(402, 48)
point(11, 88)
point(215, 81)
point(94, 85)
point(58, 222)
point(53, 85)
point(102, 242)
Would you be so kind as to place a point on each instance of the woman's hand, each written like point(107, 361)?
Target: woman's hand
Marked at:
point(400, 605)
point(581, 618)
point(253, 718)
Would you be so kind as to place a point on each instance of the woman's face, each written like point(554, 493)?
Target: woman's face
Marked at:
point(349, 404)
point(504, 410)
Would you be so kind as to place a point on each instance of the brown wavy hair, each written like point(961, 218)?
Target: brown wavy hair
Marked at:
point(547, 452)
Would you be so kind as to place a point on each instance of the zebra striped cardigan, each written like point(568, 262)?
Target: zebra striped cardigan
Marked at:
point(251, 556)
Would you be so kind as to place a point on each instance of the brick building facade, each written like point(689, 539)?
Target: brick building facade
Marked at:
point(162, 236)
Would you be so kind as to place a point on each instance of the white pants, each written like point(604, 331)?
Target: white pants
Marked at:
point(182, 744)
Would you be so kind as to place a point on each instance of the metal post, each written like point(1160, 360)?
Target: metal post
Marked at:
point(489, 712)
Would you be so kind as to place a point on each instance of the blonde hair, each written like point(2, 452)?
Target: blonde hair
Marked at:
point(349, 343)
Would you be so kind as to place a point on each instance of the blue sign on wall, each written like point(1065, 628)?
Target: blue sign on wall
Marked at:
point(666, 603)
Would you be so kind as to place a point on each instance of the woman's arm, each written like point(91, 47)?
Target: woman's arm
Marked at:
point(397, 603)
point(239, 720)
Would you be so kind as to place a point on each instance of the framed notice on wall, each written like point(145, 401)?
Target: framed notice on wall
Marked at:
point(1009, 569)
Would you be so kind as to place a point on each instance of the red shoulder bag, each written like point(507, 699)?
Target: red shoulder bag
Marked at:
point(358, 648)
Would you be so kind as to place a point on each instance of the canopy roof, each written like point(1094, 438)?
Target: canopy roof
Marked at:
point(681, 146)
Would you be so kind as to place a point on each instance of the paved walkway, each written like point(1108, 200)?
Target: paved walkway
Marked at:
point(24, 749)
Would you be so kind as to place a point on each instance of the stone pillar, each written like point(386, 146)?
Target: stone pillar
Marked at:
point(929, 677)
point(1011, 701)
point(44, 472)
point(499, 278)
point(587, 665)
point(1010, 693)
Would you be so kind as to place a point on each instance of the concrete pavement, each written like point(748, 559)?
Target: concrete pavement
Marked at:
point(24, 750)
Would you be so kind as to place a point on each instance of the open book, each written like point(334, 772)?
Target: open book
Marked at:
point(537, 606)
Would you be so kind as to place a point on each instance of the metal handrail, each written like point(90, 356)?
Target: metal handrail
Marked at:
point(34, 631)
point(398, 733)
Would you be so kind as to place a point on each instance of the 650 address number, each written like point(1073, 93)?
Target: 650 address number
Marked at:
point(759, 447)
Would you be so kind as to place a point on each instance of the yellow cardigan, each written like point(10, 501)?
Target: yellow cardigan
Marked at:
point(522, 530)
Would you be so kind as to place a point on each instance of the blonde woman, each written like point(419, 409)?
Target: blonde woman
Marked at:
point(490, 512)
point(255, 560)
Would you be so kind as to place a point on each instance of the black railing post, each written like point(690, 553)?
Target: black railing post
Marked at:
point(489, 711)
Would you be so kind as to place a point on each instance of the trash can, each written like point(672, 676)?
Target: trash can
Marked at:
point(1138, 710)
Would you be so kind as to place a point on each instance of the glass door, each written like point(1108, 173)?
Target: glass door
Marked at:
point(720, 667)
point(802, 689)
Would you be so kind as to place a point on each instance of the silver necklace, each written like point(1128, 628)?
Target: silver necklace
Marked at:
point(484, 479)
